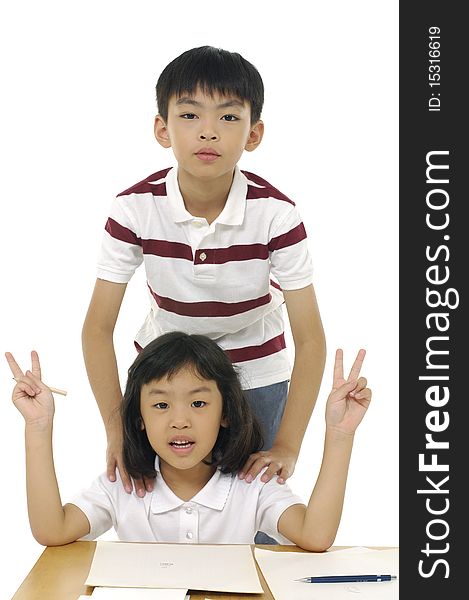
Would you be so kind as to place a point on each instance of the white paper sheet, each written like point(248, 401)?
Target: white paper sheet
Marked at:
point(280, 569)
point(136, 594)
point(217, 568)
point(107, 593)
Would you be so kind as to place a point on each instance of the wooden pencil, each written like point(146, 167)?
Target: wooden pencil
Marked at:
point(52, 389)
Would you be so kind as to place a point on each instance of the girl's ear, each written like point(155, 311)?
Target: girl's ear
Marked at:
point(224, 422)
point(161, 132)
point(142, 424)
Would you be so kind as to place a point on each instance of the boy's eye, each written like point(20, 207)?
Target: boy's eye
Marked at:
point(189, 116)
point(198, 404)
point(230, 118)
point(161, 405)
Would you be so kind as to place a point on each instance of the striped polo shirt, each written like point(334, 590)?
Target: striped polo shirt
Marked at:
point(224, 279)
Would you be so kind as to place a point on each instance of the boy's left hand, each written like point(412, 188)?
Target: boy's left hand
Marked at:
point(280, 461)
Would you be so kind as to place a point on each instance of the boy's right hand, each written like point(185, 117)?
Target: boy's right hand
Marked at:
point(31, 397)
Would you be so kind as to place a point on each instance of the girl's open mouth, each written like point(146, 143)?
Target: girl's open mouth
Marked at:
point(182, 446)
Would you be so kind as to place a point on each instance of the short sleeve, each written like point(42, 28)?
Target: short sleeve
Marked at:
point(96, 503)
point(273, 501)
point(121, 247)
point(290, 260)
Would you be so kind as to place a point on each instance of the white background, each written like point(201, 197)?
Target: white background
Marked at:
point(76, 120)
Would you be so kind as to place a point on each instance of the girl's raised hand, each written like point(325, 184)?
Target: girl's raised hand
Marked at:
point(31, 397)
point(349, 399)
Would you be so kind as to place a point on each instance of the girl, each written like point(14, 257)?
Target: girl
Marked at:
point(187, 425)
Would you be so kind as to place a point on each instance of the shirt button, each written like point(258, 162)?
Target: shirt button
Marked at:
point(202, 256)
point(189, 535)
point(189, 510)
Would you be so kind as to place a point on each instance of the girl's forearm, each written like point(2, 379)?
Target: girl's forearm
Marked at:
point(46, 515)
point(324, 509)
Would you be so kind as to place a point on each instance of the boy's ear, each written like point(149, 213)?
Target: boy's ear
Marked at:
point(161, 132)
point(255, 136)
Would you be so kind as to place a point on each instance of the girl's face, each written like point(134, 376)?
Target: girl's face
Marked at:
point(182, 417)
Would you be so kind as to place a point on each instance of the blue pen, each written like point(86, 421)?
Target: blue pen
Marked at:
point(347, 578)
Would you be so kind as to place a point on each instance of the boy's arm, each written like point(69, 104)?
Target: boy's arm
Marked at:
point(101, 366)
point(308, 368)
point(314, 527)
point(51, 524)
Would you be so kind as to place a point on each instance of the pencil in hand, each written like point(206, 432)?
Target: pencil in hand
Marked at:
point(52, 389)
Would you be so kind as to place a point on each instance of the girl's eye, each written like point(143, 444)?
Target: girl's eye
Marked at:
point(230, 118)
point(198, 404)
point(189, 116)
point(161, 405)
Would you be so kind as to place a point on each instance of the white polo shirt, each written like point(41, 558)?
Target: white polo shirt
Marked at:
point(226, 511)
point(223, 279)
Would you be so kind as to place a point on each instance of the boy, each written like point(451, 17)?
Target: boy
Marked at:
point(214, 239)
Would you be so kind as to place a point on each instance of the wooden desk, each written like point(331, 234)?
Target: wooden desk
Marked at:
point(61, 571)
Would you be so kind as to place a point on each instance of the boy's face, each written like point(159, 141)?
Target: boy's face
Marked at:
point(182, 418)
point(208, 133)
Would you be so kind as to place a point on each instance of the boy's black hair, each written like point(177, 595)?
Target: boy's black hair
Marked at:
point(164, 357)
point(212, 70)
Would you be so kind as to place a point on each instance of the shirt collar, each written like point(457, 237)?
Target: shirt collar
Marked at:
point(213, 495)
point(233, 211)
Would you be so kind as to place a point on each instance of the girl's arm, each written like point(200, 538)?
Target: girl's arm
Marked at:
point(314, 527)
point(51, 523)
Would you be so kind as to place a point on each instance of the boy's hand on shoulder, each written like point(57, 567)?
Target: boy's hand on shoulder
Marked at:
point(115, 461)
point(349, 399)
point(279, 461)
point(30, 395)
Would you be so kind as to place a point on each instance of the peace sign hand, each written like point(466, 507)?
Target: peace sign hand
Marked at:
point(31, 397)
point(349, 399)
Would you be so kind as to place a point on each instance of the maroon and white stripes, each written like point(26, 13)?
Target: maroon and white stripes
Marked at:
point(212, 255)
point(238, 355)
point(209, 308)
point(226, 283)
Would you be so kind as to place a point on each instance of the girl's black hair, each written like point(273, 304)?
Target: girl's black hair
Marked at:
point(212, 70)
point(164, 357)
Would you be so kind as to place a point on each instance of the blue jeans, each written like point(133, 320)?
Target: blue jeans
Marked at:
point(268, 403)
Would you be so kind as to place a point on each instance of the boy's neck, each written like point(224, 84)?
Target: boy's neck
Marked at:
point(186, 483)
point(204, 198)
